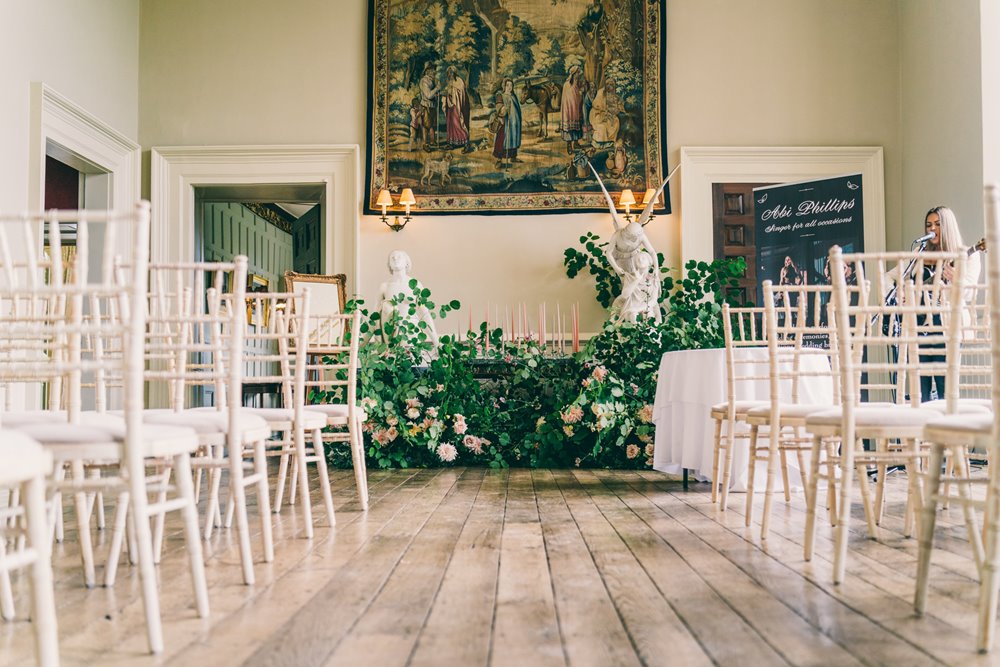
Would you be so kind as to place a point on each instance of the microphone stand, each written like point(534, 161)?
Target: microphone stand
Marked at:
point(892, 326)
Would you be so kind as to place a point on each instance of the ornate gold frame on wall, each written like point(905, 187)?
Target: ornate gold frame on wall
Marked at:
point(338, 279)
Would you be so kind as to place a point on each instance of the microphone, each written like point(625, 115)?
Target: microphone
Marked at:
point(925, 238)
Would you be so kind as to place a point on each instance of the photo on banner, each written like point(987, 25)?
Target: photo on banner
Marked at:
point(796, 224)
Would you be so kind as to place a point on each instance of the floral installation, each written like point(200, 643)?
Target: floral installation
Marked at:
point(483, 400)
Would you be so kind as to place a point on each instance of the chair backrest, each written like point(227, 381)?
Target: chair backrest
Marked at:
point(798, 324)
point(276, 349)
point(742, 328)
point(991, 197)
point(49, 308)
point(332, 371)
point(197, 327)
point(876, 356)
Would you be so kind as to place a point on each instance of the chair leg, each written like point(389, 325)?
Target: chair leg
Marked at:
point(841, 533)
point(279, 487)
point(214, 484)
point(928, 519)
point(293, 491)
point(83, 526)
point(727, 466)
point(237, 491)
point(784, 475)
point(751, 473)
point(44, 620)
point(6, 590)
point(117, 538)
point(831, 482)
point(264, 499)
point(990, 579)
point(773, 457)
point(716, 454)
point(324, 475)
point(159, 525)
point(358, 456)
point(185, 489)
point(299, 440)
point(861, 470)
point(147, 570)
point(812, 495)
point(971, 521)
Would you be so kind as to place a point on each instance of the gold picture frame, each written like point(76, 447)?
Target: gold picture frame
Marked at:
point(257, 283)
point(328, 293)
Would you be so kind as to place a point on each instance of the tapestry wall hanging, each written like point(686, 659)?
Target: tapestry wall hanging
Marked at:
point(496, 106)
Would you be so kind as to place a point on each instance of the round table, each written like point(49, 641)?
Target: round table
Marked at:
point(690, 382)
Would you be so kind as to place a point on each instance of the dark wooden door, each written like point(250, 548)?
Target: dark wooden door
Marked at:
point(733, 230)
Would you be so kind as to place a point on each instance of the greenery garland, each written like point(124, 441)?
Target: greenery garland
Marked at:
point(479, 400)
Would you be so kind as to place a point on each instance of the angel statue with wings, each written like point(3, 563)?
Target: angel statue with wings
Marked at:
point(634, 259)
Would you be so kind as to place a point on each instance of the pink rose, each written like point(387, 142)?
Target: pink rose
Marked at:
point(632, 451)
point(447, 452)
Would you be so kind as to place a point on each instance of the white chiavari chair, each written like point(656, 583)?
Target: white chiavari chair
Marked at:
point(44, 320)
point(277, 352)
point(801, 382)
point(896, 425)
point(195, 344)
point(25, 465)
point(742, 328)
point(332, 386)
point(954, 434)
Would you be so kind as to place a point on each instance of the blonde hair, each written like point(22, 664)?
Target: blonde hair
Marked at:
point(951, 235)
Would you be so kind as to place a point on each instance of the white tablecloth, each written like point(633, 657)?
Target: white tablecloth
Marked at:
point(690, 382)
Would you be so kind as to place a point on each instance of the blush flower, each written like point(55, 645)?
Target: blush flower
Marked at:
point(460, 426)
point(473, 444)
point(447, 452)
point(392, 433)
point(413, 413)
point(413, 403)
point(573, 414)
point(646, 414)
point(649, 450)
point(600, 372)
point(632, 451)
point(381, 437)
point(568, 430)
point(432, 412)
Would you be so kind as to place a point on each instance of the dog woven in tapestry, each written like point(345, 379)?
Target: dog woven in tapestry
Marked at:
point(496, 106)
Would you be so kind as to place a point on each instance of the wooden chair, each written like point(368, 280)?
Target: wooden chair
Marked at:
point(25, 465)
point(895, 426)
point(798, 340)
point(955, 433)
point(332, 386)
point(742, 328)
point(41, 339)
point(277, 352)
point(195, 347)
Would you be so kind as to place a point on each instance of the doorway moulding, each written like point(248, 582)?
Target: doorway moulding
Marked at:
point(702, 166)
point(62, 122)
point(177, 170)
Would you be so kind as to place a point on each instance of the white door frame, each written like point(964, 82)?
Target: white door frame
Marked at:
point(702, 166)
point(177, 170)
point(57, 120)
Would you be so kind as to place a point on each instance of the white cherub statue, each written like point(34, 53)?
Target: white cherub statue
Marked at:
point(634, 259)
point(399, 284)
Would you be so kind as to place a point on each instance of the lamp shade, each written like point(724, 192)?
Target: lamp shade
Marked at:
point(648, 197)
point(384, 199)
point(407, 198)
point(626, 198)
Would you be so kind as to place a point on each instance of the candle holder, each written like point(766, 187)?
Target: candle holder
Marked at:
point(406, 199)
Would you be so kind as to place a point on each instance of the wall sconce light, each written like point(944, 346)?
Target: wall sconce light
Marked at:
point(627, 199)
point(406, 199)
point(646, 198)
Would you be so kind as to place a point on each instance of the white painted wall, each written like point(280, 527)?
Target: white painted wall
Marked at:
point(989, 19)
point(768, 72)
point(942, 114)
point(86, 51)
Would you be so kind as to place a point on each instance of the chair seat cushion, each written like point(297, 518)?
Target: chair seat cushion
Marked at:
point(798, 411)
point(721, 410)
point(310, 418)
point(964, 405)
point(959, 428)
point(210, 421)
point(105, 441)
point(90, 418)
point(336, 413)
point(23, 458)
point(900, 417)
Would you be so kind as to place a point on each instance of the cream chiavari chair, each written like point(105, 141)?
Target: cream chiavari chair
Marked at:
point(25, 466)
point(44, 320)
point(895, 428)
point(195, 346)
point(798, 339)
point(956, 432)
point(742, 328)
point(277, 352)
point(332, 386)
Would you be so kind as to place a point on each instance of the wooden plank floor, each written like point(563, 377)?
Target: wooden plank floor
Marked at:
point(546, 567)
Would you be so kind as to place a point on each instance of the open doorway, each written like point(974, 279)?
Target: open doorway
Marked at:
point(278, 227)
